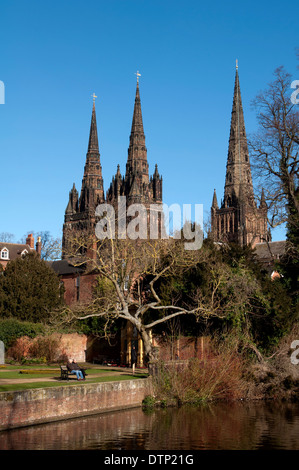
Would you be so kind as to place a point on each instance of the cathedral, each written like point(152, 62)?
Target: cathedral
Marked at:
point(136, 185)
point(238, 219)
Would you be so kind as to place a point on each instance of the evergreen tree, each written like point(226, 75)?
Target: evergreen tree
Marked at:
point(29, 289)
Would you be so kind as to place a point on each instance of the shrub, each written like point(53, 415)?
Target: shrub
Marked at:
point(30, 350)
point(44, 347)
point(20, 349)
point(149, 402)
point(218, 377)
point(11, 329)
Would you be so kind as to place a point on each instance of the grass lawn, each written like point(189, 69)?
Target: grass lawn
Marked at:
point(28, 386)
point(42, 371)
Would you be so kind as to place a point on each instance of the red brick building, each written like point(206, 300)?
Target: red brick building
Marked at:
point(12, 251)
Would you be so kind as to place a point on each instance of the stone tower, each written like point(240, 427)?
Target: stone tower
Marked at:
point(80, 212)
point(239, 219)
point(136, 185)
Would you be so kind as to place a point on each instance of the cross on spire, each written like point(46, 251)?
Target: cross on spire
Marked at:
point(138, 75)
point(94, 96)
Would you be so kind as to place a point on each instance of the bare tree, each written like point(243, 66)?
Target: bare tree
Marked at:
point(275, 150)
point(51, 247)
point(130, 273)
point(7, 237)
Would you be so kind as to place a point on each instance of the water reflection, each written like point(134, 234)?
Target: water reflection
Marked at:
point(243, 426)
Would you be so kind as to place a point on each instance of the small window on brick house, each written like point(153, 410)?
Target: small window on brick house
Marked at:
point(77, 283)
point(4, 253)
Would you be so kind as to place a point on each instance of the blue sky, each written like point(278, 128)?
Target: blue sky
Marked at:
point(55, 54)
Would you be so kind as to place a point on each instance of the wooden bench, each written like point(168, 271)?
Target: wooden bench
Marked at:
point(65, 373)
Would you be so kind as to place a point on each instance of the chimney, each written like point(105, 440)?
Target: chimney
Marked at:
point(38, 246)
point(30, 241)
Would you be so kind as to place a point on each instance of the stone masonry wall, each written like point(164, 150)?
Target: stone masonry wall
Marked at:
point(27, 407)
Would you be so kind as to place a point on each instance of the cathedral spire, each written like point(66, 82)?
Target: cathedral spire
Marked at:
point(137, 137)
point(92, 191)
point(238, 220)
point(137, 165)
point(215, 202)
point(93, 143)
point(238, 171)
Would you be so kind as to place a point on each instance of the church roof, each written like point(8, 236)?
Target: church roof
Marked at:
point(268, 252)
point(64, 267)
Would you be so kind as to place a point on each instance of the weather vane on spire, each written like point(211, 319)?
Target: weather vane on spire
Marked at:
point(237, 64)
point(94, 96)
point(138, 75)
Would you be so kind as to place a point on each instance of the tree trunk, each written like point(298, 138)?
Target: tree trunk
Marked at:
point(147, 344)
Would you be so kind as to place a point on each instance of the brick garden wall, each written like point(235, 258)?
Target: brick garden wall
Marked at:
point(182, 348)
point(27, 407)
point(66, 346)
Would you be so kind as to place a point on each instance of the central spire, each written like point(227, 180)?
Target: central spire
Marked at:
point(93, 143)
point(137, 138)
point(137, 165)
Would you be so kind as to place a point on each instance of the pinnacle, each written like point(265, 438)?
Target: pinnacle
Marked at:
point(93, 144)
point(137, 122)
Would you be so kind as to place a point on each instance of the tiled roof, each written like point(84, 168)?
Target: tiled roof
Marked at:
point(270, 251)
point(15, 249)
point(64, 267)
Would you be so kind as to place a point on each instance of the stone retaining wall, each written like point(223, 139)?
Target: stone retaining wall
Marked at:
point(27, 407)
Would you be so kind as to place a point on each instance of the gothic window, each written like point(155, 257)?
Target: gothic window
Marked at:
point(222, 225)
point(4, 253)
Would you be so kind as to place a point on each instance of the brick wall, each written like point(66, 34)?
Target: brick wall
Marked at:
point(73, 346)
point(69, 346)
point(182, 348)
point(43, 405)
point(78, 288)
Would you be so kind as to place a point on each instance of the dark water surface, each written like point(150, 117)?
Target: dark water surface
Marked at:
point(242, 426)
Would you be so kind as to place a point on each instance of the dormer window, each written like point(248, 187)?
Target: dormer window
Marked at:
point(4, 253)
point(24, 252)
